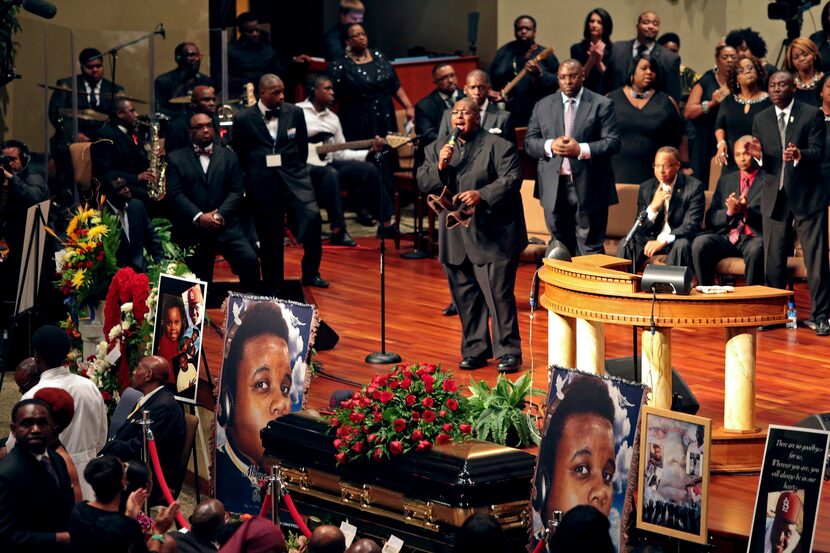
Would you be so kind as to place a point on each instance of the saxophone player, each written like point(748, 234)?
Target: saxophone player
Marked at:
point(120, 153)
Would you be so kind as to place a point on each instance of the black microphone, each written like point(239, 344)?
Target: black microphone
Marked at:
point(637, 224)
point(454, 137)
point(41, 8)
point(161, 31)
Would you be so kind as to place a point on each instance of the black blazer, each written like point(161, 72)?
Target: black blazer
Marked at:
point(168, 432)
point(806, 191)
point(62, 99)
point(497, 231)
point(686, 208)
point(116, 155)
point(716, 218)
point(428, 114)
point(177, 83)
point(177, 134)
point(595, 123)
point(143, 236)
point(191, 191)
point(252, 143)
point(621, 61)
point(32, 507)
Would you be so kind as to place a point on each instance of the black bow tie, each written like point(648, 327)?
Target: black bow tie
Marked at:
point(202, 151)
point(271, 114)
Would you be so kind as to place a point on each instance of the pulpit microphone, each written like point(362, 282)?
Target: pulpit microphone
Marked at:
point(641, 218)
point(160, 30)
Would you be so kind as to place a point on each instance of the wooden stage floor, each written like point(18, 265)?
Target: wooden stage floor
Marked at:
point(791, 365)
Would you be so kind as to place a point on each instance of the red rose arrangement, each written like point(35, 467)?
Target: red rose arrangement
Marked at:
point(409, 409)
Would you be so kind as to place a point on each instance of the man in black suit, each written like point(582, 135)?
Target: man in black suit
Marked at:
point(734, 219)
point(573, 134)
point(430, 110)
point(150, 377)
point(480, 260)
point(493, 120)
point(205, 186)
point(180, 81)
point(790, 147)
point(120, 154)
point(177, 134)
point(137, 231)
point(519, 54)
point(271, 141)
point(36, 495)
point(624, 52)
point(682, 197)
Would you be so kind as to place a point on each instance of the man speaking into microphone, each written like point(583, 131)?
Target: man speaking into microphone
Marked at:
point(481, 171)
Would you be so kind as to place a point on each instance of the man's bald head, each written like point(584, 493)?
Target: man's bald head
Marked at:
point(468, 103)
point(26, 375)
point(364, 545)
point(271, 91)
point(207, 518)
point(327, 539)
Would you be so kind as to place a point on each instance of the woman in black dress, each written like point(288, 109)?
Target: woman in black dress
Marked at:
point(365, 82)
point(595, 47)
point(648, 119)
point(804, 62)
point(739, 109)
point(702, 109)
point(822, 38)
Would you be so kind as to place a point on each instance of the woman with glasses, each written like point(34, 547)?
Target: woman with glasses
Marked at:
point(738, 110)
point(647, 118)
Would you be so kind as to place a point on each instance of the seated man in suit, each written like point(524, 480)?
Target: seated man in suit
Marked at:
point(430, 110)
point(35, 490)
point(120, 154)
point(624, 52)
point(734, 217)
point(674, 204)
point(138, 235)
point(493, 120)
point(182, 80)
point(151, 377)
point(205, 186)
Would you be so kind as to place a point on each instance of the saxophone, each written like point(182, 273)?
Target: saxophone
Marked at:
point(158, 166)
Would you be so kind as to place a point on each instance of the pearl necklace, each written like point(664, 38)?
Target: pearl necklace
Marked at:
point(810, 85)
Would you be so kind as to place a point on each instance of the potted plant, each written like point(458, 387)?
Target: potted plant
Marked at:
point(499, 414)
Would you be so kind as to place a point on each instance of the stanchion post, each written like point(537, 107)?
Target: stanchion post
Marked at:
point(276, 494)
point(145, 454)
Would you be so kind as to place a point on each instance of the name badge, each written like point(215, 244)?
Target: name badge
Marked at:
point(291, 133)
point(273, 160)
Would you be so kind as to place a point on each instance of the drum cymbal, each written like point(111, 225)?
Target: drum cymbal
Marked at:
point(179, 100)
point(130, 98)
point(67, 89)
point(57, 88)
point(85, 114)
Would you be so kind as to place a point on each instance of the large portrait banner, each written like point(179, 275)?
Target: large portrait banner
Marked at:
point(264, 375)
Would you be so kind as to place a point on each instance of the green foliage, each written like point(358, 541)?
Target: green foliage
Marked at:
point(498, 414)
point(9, 25)
point(172, 251)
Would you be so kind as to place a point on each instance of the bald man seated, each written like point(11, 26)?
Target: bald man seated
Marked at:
point(207, 520)
point(364, 545)
point(151, 377)
point(326, 539)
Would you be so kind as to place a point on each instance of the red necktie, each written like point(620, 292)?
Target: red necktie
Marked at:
point(135, 139)
point(740, 228)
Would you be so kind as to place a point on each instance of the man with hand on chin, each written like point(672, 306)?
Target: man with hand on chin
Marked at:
point(480, 260)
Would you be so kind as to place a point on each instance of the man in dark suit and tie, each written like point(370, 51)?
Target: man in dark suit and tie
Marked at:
point(672, 192)
point(430, 110)
point(271, 140)
point(150, 377)
point(137, 231)
point(36, 495)
point(624, 52)
point(177, 133)
point(493, 120)
point(480, 260)
point(573, 134)
point(734, 219)
point(182, 80)
point(205, 186)
point(790, 147)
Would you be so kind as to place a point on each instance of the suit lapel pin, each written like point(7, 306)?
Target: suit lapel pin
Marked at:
point(792, 119)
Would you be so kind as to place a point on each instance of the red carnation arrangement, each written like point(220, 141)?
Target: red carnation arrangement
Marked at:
point(409, 409)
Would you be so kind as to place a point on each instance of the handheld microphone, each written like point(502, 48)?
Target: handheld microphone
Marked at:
point(451, 142)
point(41, 8)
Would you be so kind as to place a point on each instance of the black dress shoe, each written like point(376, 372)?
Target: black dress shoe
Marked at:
point(822, 327)
point(317, 281)
point(450, 311)
point(365, 219)
point(387, 232)
point(509, 363)
point(471, 363)
point(342, 238)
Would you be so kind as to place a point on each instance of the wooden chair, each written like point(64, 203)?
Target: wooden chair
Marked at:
point(404, 181)
point(80, 154)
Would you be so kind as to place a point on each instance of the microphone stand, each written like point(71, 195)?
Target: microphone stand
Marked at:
point(629, 247)
point(113, 53)
point(384, 357)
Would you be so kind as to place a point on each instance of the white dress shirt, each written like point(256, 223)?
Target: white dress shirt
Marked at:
point(123, 219)
point(272, 124)
point(93, 91)
point(637, 43)
point(327, 121)
point(87, 433)
point(665, 236)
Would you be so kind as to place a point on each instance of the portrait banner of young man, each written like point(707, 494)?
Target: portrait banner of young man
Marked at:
point(264, 376)
point(177, 331)
point(789, 490)
point(587, 453)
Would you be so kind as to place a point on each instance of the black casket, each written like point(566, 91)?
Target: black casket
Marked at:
point(422, 497)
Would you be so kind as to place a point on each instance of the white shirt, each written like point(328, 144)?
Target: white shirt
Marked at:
point(637, 43)
point(327, 121)
point(584, 149)
point(787, 111)
point(93, 91)
point(87, 433)
point(273, 124)
point(665, 236)
point(122, 218)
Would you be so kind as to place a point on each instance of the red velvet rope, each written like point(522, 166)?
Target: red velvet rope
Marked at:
point(266, 506)
point(151, 446)
point(539, 547)
point(292, 510)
